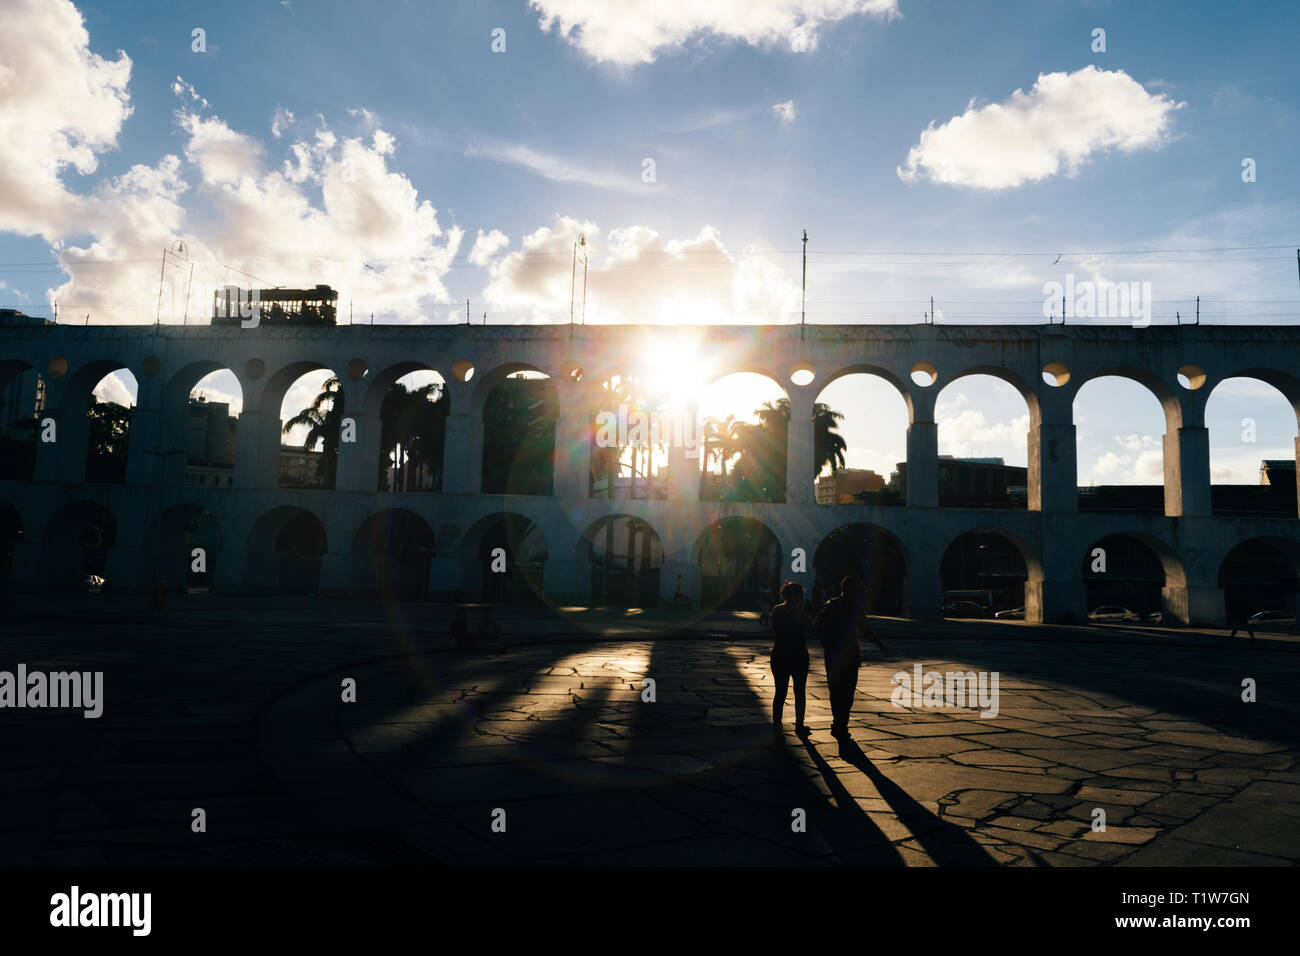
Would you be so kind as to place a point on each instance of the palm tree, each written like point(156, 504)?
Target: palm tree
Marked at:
point(828, 445)
point(759, 473)
point(519, 437)
point(322, 419)
point(412, 425)
point(110, 430)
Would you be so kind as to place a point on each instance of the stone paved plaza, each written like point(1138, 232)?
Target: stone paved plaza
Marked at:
point(236, 708)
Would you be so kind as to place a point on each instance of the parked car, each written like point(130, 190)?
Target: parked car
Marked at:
point(1015, 614)
point(1155, 617)
point(964, 609)
point(1275, 618)
point(1113, 614)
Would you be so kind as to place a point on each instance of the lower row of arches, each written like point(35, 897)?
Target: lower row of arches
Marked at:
point(620, 559)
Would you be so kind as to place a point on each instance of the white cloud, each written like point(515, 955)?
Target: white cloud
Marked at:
point(1108, 464)
point(60, 106)
point(282, 120)
point(785, 112)
point(636, 31)
point(1137, 442)
point(331, 211)
point(637, 276)
point(1150, 467)
point(180, 88)
point(559, 169)
point(223, 156)
point(969, 433)
point(487, 246)
point(1063, 121)
point(116, 387)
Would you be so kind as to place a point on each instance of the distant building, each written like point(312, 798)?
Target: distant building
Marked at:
point(21, 399)
point(15, 317)
point(1277, 471)
point(840, 487)
point(211, 451)
point(300, 468)
point(973, 480)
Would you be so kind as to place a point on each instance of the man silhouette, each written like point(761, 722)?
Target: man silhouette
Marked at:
point(837, 628)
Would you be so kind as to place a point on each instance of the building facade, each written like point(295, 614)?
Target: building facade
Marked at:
point(343, 540)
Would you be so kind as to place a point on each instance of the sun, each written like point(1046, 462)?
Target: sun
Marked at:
point(674, 373)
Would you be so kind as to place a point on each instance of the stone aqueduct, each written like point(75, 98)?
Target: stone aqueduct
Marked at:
point(1051, 534)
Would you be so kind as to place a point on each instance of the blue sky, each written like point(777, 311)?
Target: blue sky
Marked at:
point(389, 150)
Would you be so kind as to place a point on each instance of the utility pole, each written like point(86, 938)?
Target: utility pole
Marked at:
point(932, 310)
point(185, 319)
point(582, 241)
point(1198, 310)
point(803, 306)
point(162, 272)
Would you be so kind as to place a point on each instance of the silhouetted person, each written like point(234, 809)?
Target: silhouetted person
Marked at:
point(838, 627)
point(837, 631)
point(460, 628)
point(790, 624)
point(679, 596)
point(1239, 618)
point(488, 627)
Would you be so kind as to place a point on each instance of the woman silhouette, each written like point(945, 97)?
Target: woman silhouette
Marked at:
point(790, 624)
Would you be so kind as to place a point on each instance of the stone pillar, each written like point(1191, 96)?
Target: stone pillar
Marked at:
point(247, 434)
point(1056, 600)
point(25, 573)
point(125, 568)
point(558, 576)
point(358, 465)
point(267, 459)
point(445, 575)
point(922, 465)
point(462, 445)
point(1053, 471)
point(573, 443)
point(1187, 472)
point(1198, 605)
point(63, 459)
point(228, 576)
point(922, 594)
point(336, 574)
point(1297, 484)
point(800, 469)
point(1060, 595)
point(49, 455)
point(685, 457)
point(146, 458)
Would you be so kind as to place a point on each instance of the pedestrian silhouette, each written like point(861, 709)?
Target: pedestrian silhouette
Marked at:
point(789, 662)
point(488, 627)
point(1239, 618)
point(460, 628)
point(679, 596)
point(838, 628)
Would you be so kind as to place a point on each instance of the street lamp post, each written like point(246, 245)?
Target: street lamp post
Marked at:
point(158, 513)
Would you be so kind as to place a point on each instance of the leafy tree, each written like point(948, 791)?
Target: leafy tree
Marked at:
point(110, 430)
point(759, 450)
point(322, 419)
point(412, 425)
point(519, 438)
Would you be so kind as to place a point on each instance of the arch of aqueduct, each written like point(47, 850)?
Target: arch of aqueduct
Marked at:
point(1051, 535)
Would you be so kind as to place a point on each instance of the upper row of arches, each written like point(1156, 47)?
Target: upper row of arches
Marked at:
point(410, 457)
